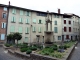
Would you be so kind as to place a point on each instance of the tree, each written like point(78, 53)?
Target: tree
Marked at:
point(10, 38)
point(17, 36)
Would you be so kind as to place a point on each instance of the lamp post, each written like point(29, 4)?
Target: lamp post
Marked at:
point(43, 42)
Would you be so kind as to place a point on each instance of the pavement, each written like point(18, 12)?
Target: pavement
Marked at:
point(76, 53)
point(5, 56)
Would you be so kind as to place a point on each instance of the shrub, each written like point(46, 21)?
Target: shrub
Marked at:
point(23, 49)
point(28, 51)
point(65, 46)
point(8, 45)
point(24, 46)
point(61, 47)
point(33, 48)
point(54, 48)
point(55, 45)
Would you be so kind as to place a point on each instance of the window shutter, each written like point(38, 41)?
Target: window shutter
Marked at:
point(13, 11)
point(12, 28)
point(26, 39)
point(4, 25)
point(20, 29)
point(39, 29)
point(29, 13)
point(34, 20)
point(2, 36)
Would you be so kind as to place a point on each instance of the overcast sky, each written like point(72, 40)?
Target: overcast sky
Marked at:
point(66, 6)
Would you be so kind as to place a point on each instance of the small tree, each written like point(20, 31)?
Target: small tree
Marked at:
point(10, 38)
point(17, 36)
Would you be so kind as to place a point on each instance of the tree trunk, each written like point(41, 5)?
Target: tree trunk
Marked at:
point(17, 43)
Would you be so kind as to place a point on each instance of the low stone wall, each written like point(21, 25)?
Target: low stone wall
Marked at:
point(71, 51)
point(23, 56)
point(41, 57)
point(34, 56)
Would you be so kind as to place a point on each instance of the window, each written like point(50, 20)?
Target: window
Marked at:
point(69, 22)
point(34, 29)
point(57, 16)
point(67, 36)
point(13, 19)
point(20, 29)
point(55, 22)
point(5, 9)
point(39, 29)
point(12, 28)
point(2, 36)
point(65, 29)
point(21, 20)
point(21, 12)
point(55, 29)
point(59, 37)
point(69, 29)
point(3, 25)
point(26, 39)
point(4, 15)
point(39, 22)
point(14, 11)
point(27, 21)
point(41, 14)
point(27, 30)
point(64, 21)
point(28, 13)
point(34, 20)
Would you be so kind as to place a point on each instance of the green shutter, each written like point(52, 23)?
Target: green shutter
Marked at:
point(20, 29)
point(29, 13)
point(39, 29)
point(27, 20)
point(12, 28)
point(34, 29)
point(55, 22)
point(14, 11)
point(55, 30)
point(21, 20)
point(26, 39)
point(27, 30)
point(34, 20)
point(21, 12)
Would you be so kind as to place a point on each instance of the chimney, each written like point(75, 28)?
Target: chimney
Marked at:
point(9, 3)
point(58, 11)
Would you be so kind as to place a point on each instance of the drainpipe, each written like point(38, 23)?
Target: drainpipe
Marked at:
point(7, 21)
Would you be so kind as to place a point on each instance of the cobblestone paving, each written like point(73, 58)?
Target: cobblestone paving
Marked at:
point(5, 56)
point(76, 53)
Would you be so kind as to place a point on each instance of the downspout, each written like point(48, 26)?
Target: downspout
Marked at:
point(7, 21)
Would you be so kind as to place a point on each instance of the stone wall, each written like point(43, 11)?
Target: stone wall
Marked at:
point(41, 57)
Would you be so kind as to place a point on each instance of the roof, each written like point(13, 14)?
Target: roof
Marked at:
point(10, 6)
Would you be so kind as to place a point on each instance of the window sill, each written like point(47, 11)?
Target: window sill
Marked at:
point(20, 23)
point(26, 33)
point(39, 23)
point(34, 23)
point(13, 22)
point(34, 31)
point(39, 32)
point(27, 23)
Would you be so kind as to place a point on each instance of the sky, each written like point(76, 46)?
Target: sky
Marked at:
point(66, 6)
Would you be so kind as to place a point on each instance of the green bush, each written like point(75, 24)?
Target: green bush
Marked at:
point(23, 49)
point(28, 51)
point(54, 48)
point(8, 45)
point(33, 48)
point(24, 45)
point(61, 47)
point(55, 45)
point(46, 51)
